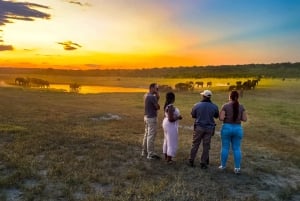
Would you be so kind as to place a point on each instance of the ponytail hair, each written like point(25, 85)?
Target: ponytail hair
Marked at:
point(234, 96)
point(170, 98)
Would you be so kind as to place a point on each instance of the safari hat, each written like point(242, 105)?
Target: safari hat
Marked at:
point(206, 93)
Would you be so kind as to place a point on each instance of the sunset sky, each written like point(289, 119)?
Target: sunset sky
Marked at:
point(102, 34)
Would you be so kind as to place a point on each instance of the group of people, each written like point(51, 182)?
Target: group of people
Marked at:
point(204, 112)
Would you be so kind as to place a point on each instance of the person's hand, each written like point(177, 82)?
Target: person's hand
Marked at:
point(158, 106)
point(213, 133)
point(179, 117)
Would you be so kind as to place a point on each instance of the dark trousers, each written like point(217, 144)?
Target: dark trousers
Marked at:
point(204, 135)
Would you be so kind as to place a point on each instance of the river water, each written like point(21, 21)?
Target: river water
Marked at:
point(97, 89)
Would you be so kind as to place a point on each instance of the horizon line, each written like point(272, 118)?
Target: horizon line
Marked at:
point(142, 68)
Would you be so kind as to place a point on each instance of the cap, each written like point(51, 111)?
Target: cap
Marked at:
point(206, 93)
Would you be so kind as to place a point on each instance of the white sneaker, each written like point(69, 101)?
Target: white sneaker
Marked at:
point(154, 157)
point(237, 170)
point(222, 167)
point(143, 154)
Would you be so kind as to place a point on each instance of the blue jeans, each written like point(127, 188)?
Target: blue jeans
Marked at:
point(231, 134)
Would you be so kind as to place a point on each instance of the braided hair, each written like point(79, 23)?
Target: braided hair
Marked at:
point(170, 98)
point(234, 96)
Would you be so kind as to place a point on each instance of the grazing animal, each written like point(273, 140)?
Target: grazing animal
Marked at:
point(190, 85)
point(21, 81)
point(250, 84)
point(164, 88)
point(74, 87)
point(254, 83)
point(36, 82)
point(181, 86)
point(199, 84)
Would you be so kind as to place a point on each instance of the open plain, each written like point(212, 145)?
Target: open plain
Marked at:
point(71, 146)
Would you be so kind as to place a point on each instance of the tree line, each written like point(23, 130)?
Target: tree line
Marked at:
point(276, 70)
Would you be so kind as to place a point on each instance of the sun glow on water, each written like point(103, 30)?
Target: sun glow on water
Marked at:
point(98, 89)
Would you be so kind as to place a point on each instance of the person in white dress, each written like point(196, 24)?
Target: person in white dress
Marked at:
point(170, 127)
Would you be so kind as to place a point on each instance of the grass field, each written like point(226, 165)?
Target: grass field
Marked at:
point(66, 146)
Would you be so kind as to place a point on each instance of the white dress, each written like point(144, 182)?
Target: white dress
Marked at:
point(170, 144)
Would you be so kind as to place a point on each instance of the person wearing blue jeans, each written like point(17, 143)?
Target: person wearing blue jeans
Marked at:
point(232, 114)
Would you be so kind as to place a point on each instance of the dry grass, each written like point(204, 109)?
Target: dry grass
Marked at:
point(60, 146)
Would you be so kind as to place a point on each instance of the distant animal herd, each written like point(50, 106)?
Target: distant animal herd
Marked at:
point(40, 83)
point(181, 86)
point(32, 82)
point(190, 85)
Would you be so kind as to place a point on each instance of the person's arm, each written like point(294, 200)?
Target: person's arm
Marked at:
point(217, 114)
point(171, 116)
point(157, 106)
point(193, 113)
point(222, 115)
point(244, 116)
point(155, 102)
point(156, 93)
point(157, 98)
point(170, 111)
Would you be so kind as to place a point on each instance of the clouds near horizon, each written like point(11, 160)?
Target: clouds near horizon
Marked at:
point(135, 33)
point(69, 45)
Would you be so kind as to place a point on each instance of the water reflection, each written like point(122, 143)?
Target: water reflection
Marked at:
point(97, 89)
